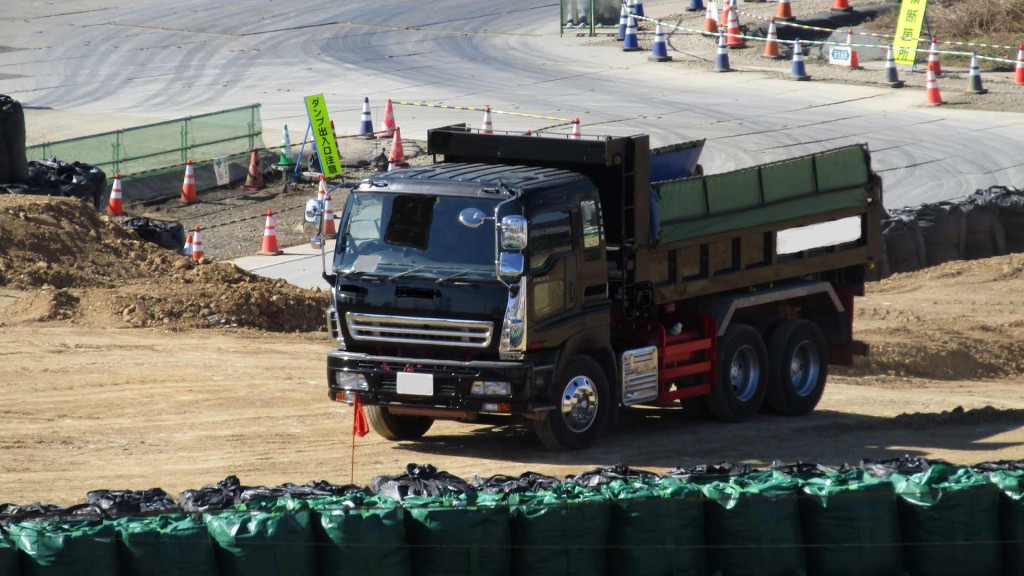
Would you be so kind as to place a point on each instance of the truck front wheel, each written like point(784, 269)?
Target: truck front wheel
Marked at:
point(799, 360)
point(394, 427)
point(742, 375)
point(582, 404)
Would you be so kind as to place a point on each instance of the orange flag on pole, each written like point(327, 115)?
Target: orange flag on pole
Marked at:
point(360, 427)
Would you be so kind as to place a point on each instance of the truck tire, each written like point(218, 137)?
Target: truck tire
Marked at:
point(393, 427)
point(799, 366)
point(742, 375)
point(582, 402)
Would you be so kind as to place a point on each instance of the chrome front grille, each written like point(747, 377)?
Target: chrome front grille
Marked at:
point(410, 330)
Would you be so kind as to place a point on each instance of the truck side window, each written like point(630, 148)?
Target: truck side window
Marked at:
point(591, 216)
point(550, 234)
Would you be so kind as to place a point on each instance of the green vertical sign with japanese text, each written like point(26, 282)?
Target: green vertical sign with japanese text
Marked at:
point(323, 135)
point(908, 30)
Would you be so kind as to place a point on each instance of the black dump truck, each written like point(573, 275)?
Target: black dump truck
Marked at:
point(558, 281)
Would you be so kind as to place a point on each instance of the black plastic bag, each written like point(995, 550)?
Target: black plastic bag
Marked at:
point(522, 484)
point(419, 480)
point(14, 163)
point(709, 472)
point(944, 229)
point(904, 465)
point(606, 474)
point(130, 502)
point(163, 233)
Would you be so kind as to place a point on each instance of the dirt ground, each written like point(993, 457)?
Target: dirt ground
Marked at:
point(123, 365)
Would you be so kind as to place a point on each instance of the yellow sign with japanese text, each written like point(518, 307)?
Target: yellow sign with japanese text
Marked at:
point(908, 30)
point(323, 135)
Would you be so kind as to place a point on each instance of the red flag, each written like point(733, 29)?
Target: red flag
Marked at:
point(360, 427)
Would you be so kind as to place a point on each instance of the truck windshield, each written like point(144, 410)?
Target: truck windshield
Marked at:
point(396, 235)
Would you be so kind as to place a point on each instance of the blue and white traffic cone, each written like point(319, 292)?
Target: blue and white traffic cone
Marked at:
point(630, 44)
point(798, 72)
point(638, 8)
point(659, 50)
point(365, 121)
point(891, 74)
point(695, 5)
point(722, 57)
point(623, 22)
point(974, 80)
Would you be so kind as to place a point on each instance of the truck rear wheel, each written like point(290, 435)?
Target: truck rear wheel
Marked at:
point(742, 375)
point(799, 367)
point(582, 404)
point(394, 427)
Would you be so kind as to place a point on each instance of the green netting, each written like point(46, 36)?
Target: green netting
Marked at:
point(949, 517)
point(360, 535)
point(256, 543)
point(562, 532)
point(851, 525)
point(466, 534)
point(165, 545)
point(753, 525)
point(67, 548)
point(1011, 515)
point(8, 555)
point(656, 528)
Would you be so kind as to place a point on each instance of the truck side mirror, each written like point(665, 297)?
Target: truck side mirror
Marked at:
point(513, 232)
point(472, 217)
point(511, 265)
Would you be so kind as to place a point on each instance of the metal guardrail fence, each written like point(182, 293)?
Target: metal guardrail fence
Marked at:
point(151, 147)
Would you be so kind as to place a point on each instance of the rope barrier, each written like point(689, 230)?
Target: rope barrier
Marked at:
point(479, 109)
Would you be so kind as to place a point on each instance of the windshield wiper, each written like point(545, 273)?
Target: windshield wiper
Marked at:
point(452, 276)
point(407, 272)
point(359, 274)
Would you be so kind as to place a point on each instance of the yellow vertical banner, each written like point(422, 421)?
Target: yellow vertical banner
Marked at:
point(908, 30)
point(323, 135)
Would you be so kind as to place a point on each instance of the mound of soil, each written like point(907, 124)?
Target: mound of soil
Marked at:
point(76, 265)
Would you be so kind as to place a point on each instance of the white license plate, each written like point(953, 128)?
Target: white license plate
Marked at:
point(415, 384)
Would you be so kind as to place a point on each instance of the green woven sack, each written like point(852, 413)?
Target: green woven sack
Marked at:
point(657, 528)
point(67, 548)
point(753, 525)
point(360, 535)
point(259, 542)
point(949, 517)
point(561, 532)
point(8, 555)
point(458, 534)
point(165, 545)
point(1011, 515)
point(851, 525)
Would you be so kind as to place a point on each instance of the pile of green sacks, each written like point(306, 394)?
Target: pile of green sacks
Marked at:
point(931, 519)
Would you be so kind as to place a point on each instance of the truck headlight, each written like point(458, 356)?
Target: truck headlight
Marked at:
point(513, 329)
point(334, 326)
point(351, 381)
point(486, 388)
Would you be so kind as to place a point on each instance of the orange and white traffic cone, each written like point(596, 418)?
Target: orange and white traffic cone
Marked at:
point(487, 127)
point(854, 62)
point(329, 230)
point(197, 245)
point(188, 187)
point(187, 249)
point(784, 11)
point(1018, 77)
point(322, 191)
point(115, 206)
point(254, 179)
point(576, 129)
point(932, 90)
point(735, 36)
point(711, 18)
point(933, 59)
point(387, 123)
point(396, 158)
point(841, 6)
point(270, 237)
point(771, 46)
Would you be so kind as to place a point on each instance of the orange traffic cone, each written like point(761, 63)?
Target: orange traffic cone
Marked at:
point(322, 191)
point(841, 6)
point(329, 230)
point(932, 90)
point(933, 59)
point(771, 47)
point(397, 156)
point(576, 129)
point(785, 11)
point(387, 123)
point(115, 206)
point(487, 127)
point(854, 62)
point(270, 237)
point(1018, 77)
point(254, 179)
point(711, 17)
point(187, 250)
point(734, 34)
point(188, 187)
point(197, 245)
